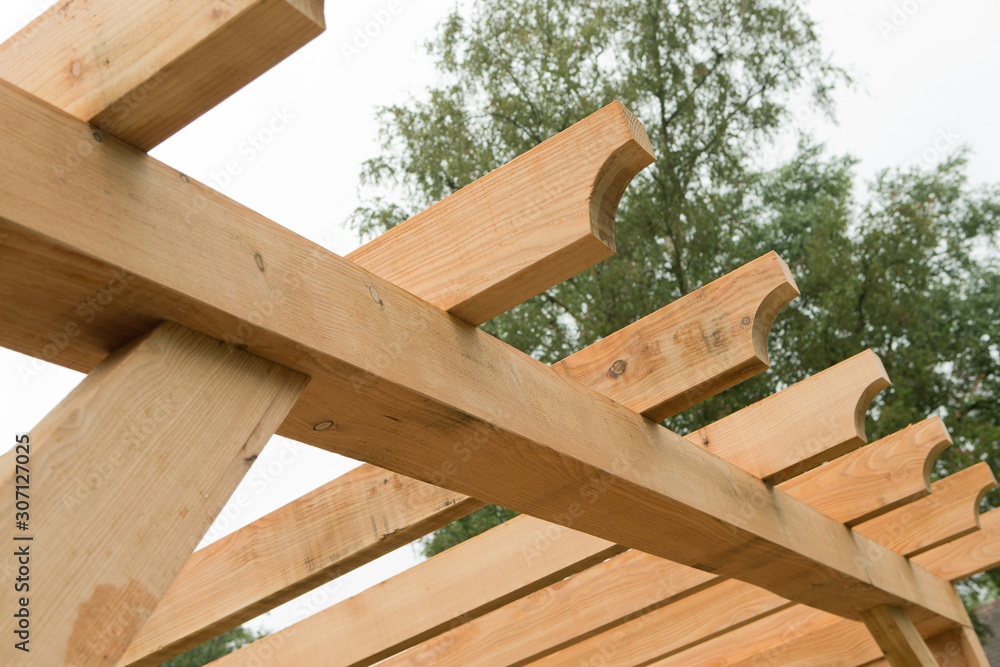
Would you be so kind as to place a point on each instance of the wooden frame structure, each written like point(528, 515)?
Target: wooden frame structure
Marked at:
point(204, 328)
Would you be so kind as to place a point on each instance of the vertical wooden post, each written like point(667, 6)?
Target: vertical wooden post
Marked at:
point(119, 483)
point(898, 638)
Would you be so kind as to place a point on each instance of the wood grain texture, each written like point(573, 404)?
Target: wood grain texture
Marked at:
point(876, 478)
point(543, 217)
point(762, 641)
point(799, 637)
point(467, 413)
point(898, 637)
point(683, 625)
point(137, 460)
point(833, 404)
point(578, 606)
point(958, 648)
point(842, 643)
point(701, 616)
point(330, 531)
point(836, 644)
point(457, 586)
point(693, 348)
point(366, 648)
point(175, 627)
point(969, 555)
point(142, 75)
point(949, 512)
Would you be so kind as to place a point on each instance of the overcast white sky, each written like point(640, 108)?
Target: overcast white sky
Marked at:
point(928, 70)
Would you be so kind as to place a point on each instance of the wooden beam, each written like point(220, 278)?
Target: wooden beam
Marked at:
point(521, 229)
point(579, 606)
point(481, 574)
point(137, 460)
point(892, 472)
point(762, 641)
point(746, 438)
point(958, 648)
point(898, 638)
point(211, 574)
point(721, 608)
point(330, 531)
point(143, 74)
point(951, 511)
point(833, 643)
point(696, 347)
point(646, 634)
point(829, 640)
point(593, 611)
point(969, 555)
point(635, 631)
point(470, 600)
point(468, 413)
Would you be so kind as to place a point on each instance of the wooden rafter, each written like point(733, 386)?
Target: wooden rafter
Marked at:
point(483, 250)
point(135, 461)
point(479, 411)
point(214, 575)
point(466, 413)
point(683, 626)
point(144, 75)
point(612, 600)
point(328, 532)
point(693, 348)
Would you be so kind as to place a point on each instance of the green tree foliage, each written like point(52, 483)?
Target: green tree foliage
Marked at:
point(214, 649)
point(908, 270)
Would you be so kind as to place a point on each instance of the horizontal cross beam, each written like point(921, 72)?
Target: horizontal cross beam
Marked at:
point(467, 412)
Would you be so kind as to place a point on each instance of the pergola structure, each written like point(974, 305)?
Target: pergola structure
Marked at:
point(775, 536)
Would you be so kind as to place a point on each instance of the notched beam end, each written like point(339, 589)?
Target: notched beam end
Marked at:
point(906, 459)
point(521, 229)
point(879, 381)
point(782, 290)
point(621, 166)
point(949, 513)
point(937, 439)
point(978, 480)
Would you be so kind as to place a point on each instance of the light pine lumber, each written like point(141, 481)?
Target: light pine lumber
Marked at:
point(468, 413)
point(842, 643)
point(593, 615)
point(721, 608)
point(565, 611)
point(957, 645)
point(366, 647)
point(898, 637)
point(302, 545)
point(949, 512)
point(143, 73)
point(746, 437)
point(893, 471)
point(966, 556)
point(458, 585)
point(958, 648)
point(175, 627)
point(127, 473)
point(638, 637)
point(762, 642)
point(839, 643)
point(543, 217)
point(697, 346)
